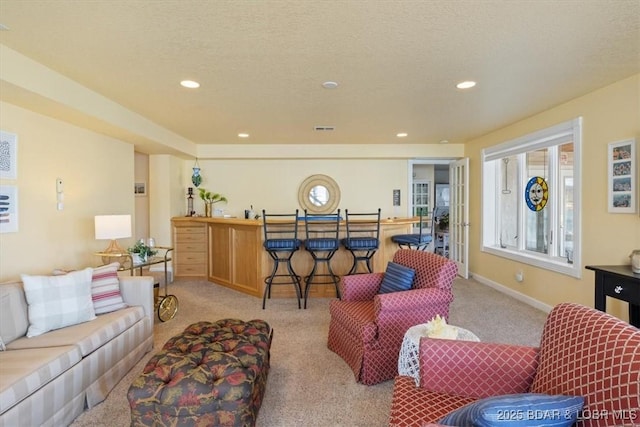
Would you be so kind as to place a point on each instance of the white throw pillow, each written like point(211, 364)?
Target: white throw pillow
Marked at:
point(58, 301)
point(105, 289)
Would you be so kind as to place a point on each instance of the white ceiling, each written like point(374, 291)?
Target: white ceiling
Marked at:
point(261, 63)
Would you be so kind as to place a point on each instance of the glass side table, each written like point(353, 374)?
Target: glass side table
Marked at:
point(166, 305)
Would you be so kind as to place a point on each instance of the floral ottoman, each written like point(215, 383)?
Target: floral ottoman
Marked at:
point(212, 374)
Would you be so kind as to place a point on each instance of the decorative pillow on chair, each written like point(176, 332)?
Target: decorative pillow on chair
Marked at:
point(105, 289)
point(58, 301)
point(526, 410)
point(397, 278)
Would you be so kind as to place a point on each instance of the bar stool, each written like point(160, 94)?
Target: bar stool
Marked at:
point(321, 242)
point(363, 237)
point(418, 241)
point(281, 242)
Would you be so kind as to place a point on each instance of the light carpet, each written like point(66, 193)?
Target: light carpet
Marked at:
point(308, 384)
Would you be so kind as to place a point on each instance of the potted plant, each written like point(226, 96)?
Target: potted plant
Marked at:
point(209, 199)
point(140, 252)
point(443, 222)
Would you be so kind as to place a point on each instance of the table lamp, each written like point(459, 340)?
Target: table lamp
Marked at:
point(112, 227)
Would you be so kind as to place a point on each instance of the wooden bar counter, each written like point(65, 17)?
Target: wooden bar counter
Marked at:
point(229, 252)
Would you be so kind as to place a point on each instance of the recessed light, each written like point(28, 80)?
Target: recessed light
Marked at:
point(444, 141)
point(243, 135)
point(190, 84)
point(466, 85)
point(329, 85)
point(402, 134)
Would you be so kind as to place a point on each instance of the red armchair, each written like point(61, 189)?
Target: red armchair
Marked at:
point(583, 352)
point(367, 328)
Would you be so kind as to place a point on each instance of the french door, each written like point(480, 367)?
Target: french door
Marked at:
point(459, 215)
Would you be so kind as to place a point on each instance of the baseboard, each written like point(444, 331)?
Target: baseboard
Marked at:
point(514, 294)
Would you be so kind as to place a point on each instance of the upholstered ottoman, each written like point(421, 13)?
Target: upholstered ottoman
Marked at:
point(212, 374)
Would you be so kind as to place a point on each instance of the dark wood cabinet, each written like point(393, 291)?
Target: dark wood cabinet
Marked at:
point(617, 281)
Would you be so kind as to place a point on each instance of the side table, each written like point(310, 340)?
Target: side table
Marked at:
point(409, 358)
point(620, 282)
point(166, 305)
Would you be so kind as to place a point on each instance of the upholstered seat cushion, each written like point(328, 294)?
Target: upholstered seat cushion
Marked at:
point(322, 244)
point(411, 239)
point(282, 244)
point(18, 377)
point(413, 406)
point(360, 243)
point(88, 336)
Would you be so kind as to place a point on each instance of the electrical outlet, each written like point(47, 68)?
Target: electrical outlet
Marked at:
point(519, 276)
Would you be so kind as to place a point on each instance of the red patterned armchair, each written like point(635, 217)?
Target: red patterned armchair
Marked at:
point(367, 328)
point(583, 352)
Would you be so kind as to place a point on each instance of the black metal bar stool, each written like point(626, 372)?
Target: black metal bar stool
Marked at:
point(363, 237)
point(281, 242)
point(419, 240)
point(321, 242)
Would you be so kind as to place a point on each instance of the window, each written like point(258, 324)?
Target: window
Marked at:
point(530, 203)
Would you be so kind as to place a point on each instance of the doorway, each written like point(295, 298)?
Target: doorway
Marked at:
point(441, 187)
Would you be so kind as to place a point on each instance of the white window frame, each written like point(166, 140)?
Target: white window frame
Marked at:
point(550, 137)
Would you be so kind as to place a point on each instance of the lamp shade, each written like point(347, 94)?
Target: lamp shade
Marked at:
point(111, 227)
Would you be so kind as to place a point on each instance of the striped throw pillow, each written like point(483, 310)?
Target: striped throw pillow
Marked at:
point(397, 278)
point(105, 289)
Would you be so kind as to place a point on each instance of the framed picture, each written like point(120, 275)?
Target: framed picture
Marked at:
point(622, 177)
point(8, 155)
point(8, 209)
point(140, 188)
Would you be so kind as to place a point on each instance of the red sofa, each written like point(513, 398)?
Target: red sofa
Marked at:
point(583, 352)
point(367, 328)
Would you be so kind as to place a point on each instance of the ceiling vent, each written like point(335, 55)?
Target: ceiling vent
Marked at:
point(324, 128)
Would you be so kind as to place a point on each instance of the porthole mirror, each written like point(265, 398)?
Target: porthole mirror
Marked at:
point(319, 194)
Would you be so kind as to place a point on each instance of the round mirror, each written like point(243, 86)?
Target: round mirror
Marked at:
point(319, 194)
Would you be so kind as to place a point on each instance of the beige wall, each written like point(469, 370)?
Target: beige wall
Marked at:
point(273, 184)
point(141, 174)
point(609, 114)
point(97, 172)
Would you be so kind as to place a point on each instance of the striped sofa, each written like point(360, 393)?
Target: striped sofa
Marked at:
point(50, 379)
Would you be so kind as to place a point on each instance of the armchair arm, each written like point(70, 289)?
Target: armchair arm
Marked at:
point(413, 299)
point(138, 290)
point(360, 287)
point(476, 369)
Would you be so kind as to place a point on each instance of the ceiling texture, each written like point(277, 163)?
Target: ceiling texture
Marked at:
point(261, 63)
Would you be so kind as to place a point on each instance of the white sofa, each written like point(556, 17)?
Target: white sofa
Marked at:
point(50, 379)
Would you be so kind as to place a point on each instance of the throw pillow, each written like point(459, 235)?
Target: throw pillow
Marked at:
point(105, 289)
point(527, 409)
point(58, 301)
point(397, 278)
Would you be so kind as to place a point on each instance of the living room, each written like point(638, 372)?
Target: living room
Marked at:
point(99, 148)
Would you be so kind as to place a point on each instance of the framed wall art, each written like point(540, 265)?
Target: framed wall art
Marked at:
point(8, 209)
point(8, 155)
point(140, 188)
point(622, 182)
